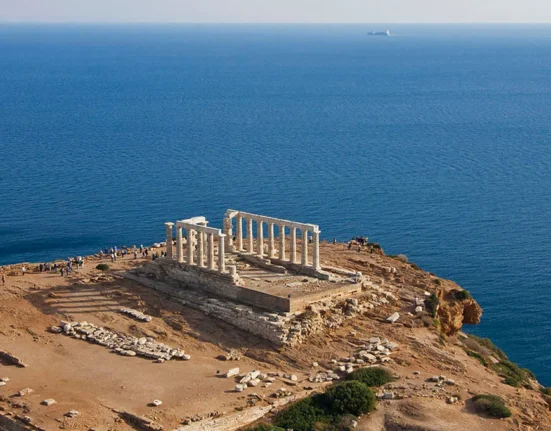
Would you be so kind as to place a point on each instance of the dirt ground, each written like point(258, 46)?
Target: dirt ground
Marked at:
point(91, 379)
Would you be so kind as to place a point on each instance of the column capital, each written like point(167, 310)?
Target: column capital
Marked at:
point(169, 224)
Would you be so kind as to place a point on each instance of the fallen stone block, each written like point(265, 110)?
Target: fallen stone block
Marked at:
point(11, 359)
point(139, 423)
point(156, 403)
point(72, 413)
point(24, 392)
point(232, 372)
point(48, 402)
point(393, 318)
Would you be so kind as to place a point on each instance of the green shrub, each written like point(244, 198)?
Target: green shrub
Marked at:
point(487, 343)
point(437, 281)
point(431, 304)
point(546, 391)
point(414, 266)
point(350, 397)
point(491, 405)
point(372, 376)
point(512, 373)
point(265, 427)
point(302, 415)
point(461, 295)
point(102, 267)
point(478, 356)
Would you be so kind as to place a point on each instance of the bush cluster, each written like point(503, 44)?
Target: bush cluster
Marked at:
point(329, 411)
point(491, 405)
point(102, 267)
point(431, 304)
point(372, 376)
point(461, 295)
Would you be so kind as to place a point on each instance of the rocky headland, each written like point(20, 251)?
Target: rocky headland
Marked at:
point(98, 350)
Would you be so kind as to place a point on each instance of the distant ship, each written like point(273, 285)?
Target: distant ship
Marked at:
point(379, 33)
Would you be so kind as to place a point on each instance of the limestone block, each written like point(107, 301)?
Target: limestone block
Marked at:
point(232, 372)
point(48, 402)
point(25, 391)
point(240, 388)
point(393, 318)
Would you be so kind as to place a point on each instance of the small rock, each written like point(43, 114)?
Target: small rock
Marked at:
point(72, 413)
point(25, 391)
point(156, 403)
point(294, 378)
point(393, 318)
point(5, 379)
point(48, 402)
point(240, 388)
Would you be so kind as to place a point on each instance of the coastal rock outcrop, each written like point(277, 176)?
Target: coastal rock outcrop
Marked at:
point(455, 310)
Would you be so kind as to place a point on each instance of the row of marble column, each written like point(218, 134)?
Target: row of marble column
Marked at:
point(196, 237)
point(281, 252)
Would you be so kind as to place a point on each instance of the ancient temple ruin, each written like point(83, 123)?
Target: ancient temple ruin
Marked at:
point(253, 272)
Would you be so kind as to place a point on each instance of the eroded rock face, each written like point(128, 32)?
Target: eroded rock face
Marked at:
point(453, 312)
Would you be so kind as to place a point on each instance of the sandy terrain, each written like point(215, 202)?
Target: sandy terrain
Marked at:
point(89, 378)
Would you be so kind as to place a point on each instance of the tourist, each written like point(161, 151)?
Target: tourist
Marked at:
point(112, 257)
point(61, 271)
point(23, 270)
point(135, 254)
point(101, 255)
point(3, 279)
point(359, 248)
point(349, 245)
point(41, 267)
point(334, 241)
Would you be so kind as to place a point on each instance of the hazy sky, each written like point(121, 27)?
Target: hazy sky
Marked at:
point(307, 11)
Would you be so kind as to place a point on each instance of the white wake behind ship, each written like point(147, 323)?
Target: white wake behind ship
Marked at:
point(379, 33)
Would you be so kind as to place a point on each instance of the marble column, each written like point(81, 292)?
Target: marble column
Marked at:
point(210, 251)
point(200, 248)
point(316, 250)
point(293, 245)
point(239, 232)
point(282, 242)
point(190, 246)
point(260, 238)
point(250, 239)
point(179, 245)
point(304, 247)
point(228, 230)
point(221, 255)
point(271, 247)
point(169, 239)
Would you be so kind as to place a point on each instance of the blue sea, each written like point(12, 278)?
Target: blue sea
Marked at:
point(435, 142)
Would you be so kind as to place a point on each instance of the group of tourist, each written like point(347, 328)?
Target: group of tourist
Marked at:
point(115, 252)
